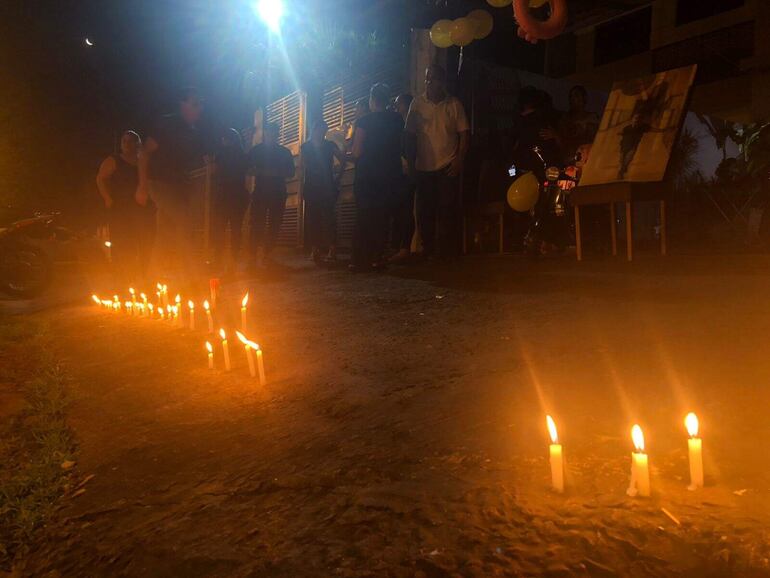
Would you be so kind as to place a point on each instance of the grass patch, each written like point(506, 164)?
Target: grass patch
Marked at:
point(34, 439)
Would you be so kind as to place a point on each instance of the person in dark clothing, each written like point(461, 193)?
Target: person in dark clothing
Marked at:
point(132, 226)
point(230, 198)
point(403, 215)
point(535, 129)
point(377, 154)
point(173, 150)
point(320, 186)
point(271, 165)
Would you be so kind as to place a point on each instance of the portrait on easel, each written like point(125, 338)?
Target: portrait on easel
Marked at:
point(639, 127)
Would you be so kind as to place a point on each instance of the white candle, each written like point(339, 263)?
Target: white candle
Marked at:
point(225, 349)
point(211, 355)
point(260, 366)
point(640, 469)
point(150, 310)
point(178, 311)
point(249, 353)
point(96, 300)
point(129, 308)
point(244, 303)
point(161, 313)
point(191, 305)
point(144, 303)
point(208, 316)
point(133, 299)
point(557, 457)
point(695, 447)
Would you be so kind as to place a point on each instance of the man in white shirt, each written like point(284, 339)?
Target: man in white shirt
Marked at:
point(437, 139)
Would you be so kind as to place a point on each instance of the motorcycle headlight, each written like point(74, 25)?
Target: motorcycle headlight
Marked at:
point(552, 173)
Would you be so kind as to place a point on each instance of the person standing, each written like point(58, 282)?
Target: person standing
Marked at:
point(377, 154)
point(403, 214)
point(132, 226)
point(174, 149)
point(438, 137)
point(271, 165)
point(230, 199)
point(319, 192)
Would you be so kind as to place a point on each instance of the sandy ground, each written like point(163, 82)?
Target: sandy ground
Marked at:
point(402, 431)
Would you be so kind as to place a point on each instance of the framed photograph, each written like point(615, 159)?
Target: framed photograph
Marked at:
point(639, 128)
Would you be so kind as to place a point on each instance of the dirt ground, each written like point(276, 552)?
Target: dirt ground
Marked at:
point(402, 431)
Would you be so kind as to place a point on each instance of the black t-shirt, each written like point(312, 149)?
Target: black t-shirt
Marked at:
point(318, 164)
point(527, 135)
point(123, 182)
point(231, 168)
point(180, 150)
point(271, 165)
point(381, 156)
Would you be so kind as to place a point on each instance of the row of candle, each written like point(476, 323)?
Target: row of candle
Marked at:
point(640, 468)
point(164, 310)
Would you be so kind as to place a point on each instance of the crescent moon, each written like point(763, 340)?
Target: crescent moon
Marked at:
point(88, 42)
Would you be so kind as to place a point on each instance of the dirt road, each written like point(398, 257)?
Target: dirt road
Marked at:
point(402, 430)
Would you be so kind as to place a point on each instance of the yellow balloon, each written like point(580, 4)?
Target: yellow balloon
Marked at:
point(441, 33)
point(482, 23)
point(524, 192)
point(463, 31)
point(499, 3)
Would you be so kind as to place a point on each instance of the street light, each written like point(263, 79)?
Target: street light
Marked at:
point(271, 12)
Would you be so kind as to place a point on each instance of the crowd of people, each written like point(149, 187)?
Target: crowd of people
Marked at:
point(408, 154)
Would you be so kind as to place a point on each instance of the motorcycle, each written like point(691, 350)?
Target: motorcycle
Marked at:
point(551, 226)
point(29, 249)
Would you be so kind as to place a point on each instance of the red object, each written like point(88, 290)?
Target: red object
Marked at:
point(531, 29)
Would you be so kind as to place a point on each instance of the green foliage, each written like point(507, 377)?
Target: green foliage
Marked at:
point(34, 442)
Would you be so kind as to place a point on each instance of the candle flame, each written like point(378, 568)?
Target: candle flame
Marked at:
point(107, 244)
point(190, 304)
point(246, 341)
point(638, 437)
point(245, 299)
point(161, 312)
point(96, 300)
point(150, 306)
point(209, 348)
point(131, 290)
point(206, 304)
point(178, 299)
point(552, 429)
point(691, 423)
point(222, 334)
point(143, 296)
point(159, 287)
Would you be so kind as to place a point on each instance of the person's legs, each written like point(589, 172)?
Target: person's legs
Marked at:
point(276, 206)
point(122, 249)
point(313, 225)
point(406, 218)
point(448, 192)
point(237, 211)
point(257, 224)
point(329, 225)
point(426, 204)
point(173, 204)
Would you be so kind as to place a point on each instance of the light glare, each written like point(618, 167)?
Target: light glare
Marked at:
point(271, 12)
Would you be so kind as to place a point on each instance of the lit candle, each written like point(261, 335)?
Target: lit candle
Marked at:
point(129, 308)
point(225, 349)
point(244, 302)
point(261, 366)
point(169, 313)
point(695, 446)
point(557, 457)
point(133, 297)
point(640, 469)
point(249, 354)
point(140, 308)
point(150, 308)
point(178, 311)
point(211, 355)
point(144, 302)
point(115, 303)
point(161, 313)
point(107, 304)
point(164, 294)
point(191, 305)
point(208, 316)
point(96, 300)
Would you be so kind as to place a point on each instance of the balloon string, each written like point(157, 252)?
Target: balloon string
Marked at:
point(460, 61)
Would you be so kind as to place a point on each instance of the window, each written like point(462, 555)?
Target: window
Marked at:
point(692, 10)
point(623, 37)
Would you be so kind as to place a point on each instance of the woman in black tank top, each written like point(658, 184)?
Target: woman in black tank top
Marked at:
point(132, 227)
